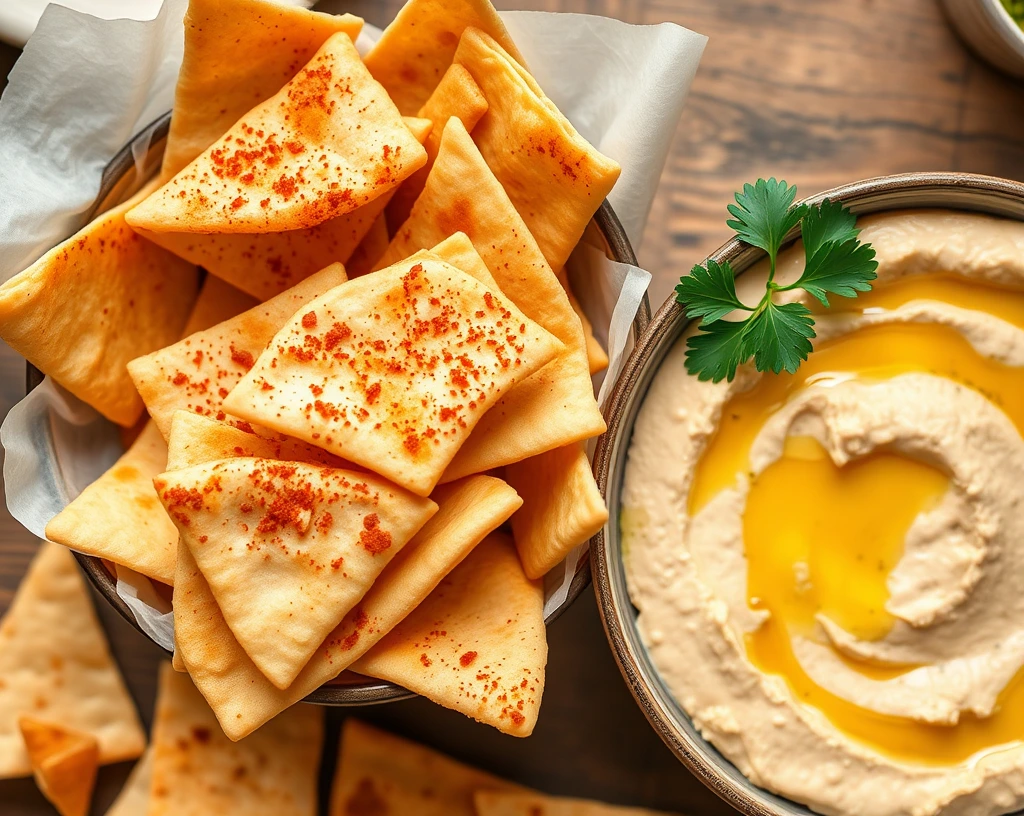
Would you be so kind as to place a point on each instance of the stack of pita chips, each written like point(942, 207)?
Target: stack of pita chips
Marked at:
point(367, 424)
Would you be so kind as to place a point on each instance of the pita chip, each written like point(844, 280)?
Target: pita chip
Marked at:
point(554, 407)
point(119, 517)
point(64, 763)
point(393, 370)
point(242, 698)
point(562, 506)
point(218, 301)
point(56, 666)
point(134, 797)
point(197, 771)
point(196, 373)
point(414, 52)
point(370, 249)
point(555, 178)
point(500, 803)
point(597, 357)
point(477, 645)
point(457, 95)
point(381, 773)
point(288, 548)
point(238, 53)
point(329, 142)
point(82, 289)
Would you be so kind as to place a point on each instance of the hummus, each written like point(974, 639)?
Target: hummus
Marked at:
point(829, 566)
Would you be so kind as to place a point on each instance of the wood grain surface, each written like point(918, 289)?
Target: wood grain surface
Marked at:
point(818, 93)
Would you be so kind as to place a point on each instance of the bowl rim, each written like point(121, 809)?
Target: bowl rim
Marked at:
point(1007, 27)
point(943, 190)
point(126, 171)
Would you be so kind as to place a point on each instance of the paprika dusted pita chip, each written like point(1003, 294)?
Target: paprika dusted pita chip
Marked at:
point(133, 800)
point(196, 373)
point(562, 506)
point(457, 95)
point(329, 142)
point(238, 53)
point(393, 370)
point(55, 666)
point(266, 264)
point(64, 763)
point(218, 301)
point(500, 803)
point(288, 548)
point(381, 773)
point(412, 55)
point(556, 405)
point(119, 517)
point(115, 293)
point(477, 644)
point(597, 357)
point(197, 771)
point(556, 180)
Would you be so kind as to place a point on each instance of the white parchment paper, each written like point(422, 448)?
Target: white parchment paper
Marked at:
point(84, 86)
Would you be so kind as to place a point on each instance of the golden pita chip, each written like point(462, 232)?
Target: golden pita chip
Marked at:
point(242, 697)
point(556, 405)
point(115, 293)
point(457, 95)
point(562, 506)
point(379, 773)
point(56, 666)
point(218, 301)
point(412, 55)
point(288, 548)
point(498, 803)
point(134, 797)
point(64, 763)
point(238, 53)
point(555, 178)
point(370, 249)
point(119, 517)
point(329, 142)
point(597, 357)
point(477, 645)
point(196, 373)
point(197, 771)
point(458, 251)
point(393, 370)
point(266, 264)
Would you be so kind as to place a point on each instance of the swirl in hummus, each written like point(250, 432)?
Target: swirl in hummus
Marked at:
point(829, 566)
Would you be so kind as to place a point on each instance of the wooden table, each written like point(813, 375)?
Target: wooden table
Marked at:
point(817, 93)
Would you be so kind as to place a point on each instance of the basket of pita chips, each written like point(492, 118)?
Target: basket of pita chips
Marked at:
point(331, 307)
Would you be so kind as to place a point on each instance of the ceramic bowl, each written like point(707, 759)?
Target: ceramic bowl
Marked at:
point(987, 27)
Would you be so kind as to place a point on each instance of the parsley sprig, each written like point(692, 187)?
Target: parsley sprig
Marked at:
point(776, 335)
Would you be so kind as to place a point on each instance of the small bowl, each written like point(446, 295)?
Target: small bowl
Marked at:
point(128, 170)
point(987, 27)
point(959, 191)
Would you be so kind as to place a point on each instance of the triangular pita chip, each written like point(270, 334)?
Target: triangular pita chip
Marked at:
point(416, 49)
point(379, 773)
point(370, 249)
point(288, 548)
point(64, 763)
point(393, 370)
point(556, 405)
point(55, 665)
point(327, 143)
point(597, 357)
point(266, 264)
point(477, 645)
point(458, 251)
point(196, 373)
point(238, 53)
point(115, 294)
point(555, 178)
point(133, 800)
point(120, 518)
point(562, 506)
point(498, 803)
point(218, 301)
point(457, 95)
point(197, 771)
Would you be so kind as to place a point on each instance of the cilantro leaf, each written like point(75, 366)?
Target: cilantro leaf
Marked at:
point(830, 221)
point(764, 213)
point(709, 293)
point(779, 336)
point(842, 269)
point(717, 350)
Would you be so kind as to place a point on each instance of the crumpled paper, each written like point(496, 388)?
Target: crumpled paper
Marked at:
point(85, 86)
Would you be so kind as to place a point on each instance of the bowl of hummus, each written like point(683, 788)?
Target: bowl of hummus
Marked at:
point(812, 582)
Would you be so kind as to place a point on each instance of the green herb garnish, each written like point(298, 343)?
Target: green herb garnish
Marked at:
point(776, 335)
